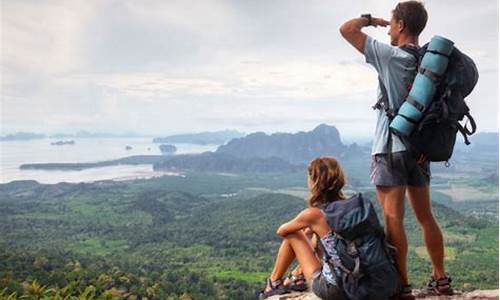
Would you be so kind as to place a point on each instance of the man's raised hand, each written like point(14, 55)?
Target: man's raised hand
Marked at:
point(380, 22)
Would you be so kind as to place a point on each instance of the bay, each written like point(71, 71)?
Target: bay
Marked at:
point(15, 153)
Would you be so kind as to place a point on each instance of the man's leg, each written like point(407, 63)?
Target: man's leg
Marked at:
point(392, 201)
point(419, 197)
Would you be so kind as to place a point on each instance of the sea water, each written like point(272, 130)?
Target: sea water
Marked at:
point(15, 153)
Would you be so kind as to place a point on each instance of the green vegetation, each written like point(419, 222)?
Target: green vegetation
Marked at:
point(202, 236)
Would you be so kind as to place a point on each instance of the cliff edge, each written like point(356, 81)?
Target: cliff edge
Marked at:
point(474, 295)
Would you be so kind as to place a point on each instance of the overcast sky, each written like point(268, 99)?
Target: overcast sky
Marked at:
point(163, 67)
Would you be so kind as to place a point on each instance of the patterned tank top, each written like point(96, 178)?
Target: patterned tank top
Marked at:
point(328, 243)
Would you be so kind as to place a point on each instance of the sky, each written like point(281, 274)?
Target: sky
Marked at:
point(166, 67)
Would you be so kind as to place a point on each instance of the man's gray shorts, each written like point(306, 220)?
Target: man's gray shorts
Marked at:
point(404, 170)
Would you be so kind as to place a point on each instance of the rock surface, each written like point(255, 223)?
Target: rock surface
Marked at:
point(475, 295)
point(296, 148)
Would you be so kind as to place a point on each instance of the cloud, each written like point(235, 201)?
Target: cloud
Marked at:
point(157, 66)
point(42, 38)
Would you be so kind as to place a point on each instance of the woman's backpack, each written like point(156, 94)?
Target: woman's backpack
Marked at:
point(363, 263)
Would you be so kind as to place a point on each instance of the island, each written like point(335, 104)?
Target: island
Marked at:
point(60, 143)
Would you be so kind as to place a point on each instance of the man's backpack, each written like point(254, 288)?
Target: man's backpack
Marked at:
point(362, 263)
point(435, 134)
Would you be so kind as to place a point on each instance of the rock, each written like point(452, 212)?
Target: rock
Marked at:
point(295, 296)
point(60, 143)
point(225, 163)
point(296, 148)
point(474, 295)
point(167, 149)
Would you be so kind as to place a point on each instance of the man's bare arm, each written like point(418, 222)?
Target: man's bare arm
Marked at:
point(351, 31)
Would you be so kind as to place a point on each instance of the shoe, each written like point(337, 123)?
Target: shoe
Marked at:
point(297, 283)
point(276, 288)
point(440, 286)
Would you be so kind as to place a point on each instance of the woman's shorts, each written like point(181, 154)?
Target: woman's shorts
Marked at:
point(324, 289)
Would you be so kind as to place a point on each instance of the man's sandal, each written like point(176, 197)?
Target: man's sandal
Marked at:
point(297, 283)
point(276, 288)
point(440, 286)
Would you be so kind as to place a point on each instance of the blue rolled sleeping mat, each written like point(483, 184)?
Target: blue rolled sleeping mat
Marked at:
point(433, 65)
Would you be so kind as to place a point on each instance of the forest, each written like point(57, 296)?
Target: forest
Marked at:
point(197, 236)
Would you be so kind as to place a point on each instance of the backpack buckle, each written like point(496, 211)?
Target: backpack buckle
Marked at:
point(352, 250)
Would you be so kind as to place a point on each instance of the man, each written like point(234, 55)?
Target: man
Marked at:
point(399, 172)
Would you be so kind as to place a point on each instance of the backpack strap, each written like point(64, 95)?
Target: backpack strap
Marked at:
point(438, 53)
point(430, 74)
point(383, 101)
point(415, 103)
point(466, 131)
point(472, 124)
point(413, 50)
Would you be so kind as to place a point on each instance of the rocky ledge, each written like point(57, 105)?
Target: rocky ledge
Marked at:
point(474, 295)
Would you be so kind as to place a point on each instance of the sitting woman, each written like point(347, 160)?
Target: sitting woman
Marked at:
point(342, 226)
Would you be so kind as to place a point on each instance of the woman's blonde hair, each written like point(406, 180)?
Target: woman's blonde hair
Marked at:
point(327, 178)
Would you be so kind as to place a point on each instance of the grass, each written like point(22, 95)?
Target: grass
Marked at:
point(449, 253)
point(450, 237)
point(463, 193)
point(250, 277)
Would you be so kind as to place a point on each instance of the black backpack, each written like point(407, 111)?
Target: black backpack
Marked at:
point(363, 264)
point(435, 135)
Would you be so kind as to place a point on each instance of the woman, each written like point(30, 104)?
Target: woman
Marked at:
point(356, 260)
point(325, 181)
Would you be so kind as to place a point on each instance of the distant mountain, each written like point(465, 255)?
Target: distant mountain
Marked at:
point(299, 147)
point(485, 141)
point(223, 162)
point(482, 141)
point(203, 138)
point(87, 134)
point(22, 136)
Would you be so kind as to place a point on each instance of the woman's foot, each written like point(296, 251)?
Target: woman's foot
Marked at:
point(272, 288)
point(296, 283)
point(440, 286)
point(405, 293)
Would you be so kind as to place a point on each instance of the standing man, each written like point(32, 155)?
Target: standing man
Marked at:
point(399, 172)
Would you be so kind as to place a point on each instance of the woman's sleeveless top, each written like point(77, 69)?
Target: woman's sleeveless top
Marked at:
point(328, 243)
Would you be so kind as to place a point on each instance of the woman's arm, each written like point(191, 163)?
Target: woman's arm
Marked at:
point(304, 219)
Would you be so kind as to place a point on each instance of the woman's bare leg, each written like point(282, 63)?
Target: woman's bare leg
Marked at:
point(296, 245)
point(298, 270)
point(284, 259)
